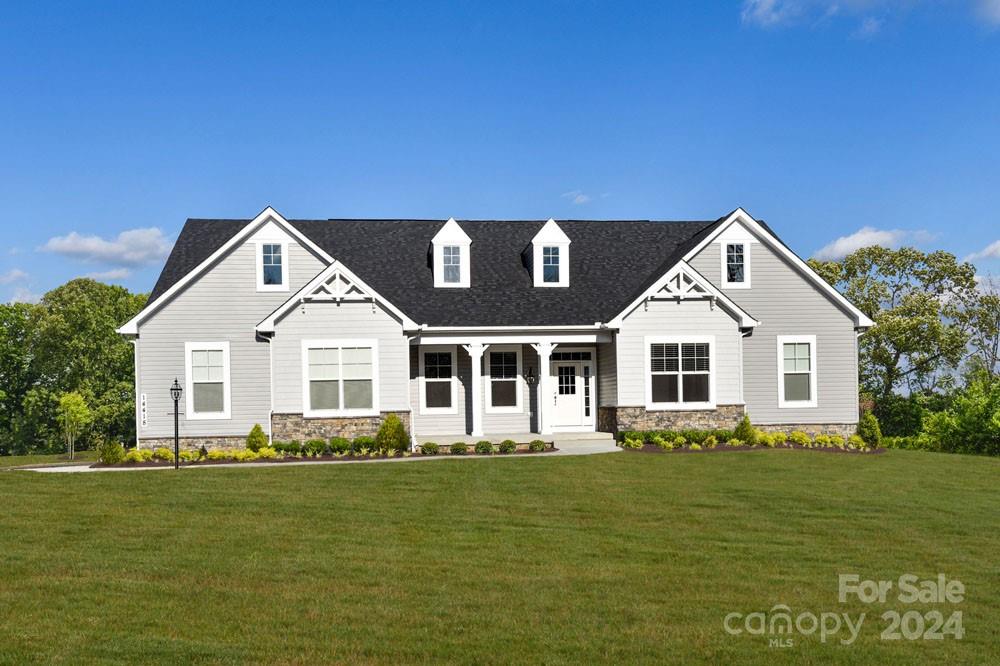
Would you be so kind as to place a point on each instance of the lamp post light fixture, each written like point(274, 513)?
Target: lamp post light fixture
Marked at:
point(175, 394)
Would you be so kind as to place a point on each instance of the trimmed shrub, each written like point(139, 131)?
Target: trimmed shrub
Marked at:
point(734, 442)
point(631, 444)
point(679, 440)
point(869, 430)
point(219, 454)
point(837, 441)
point(256, 440)
point(723, 435)
point(315, 447)
point(110, 452)
point(244, 455)
point(392, 434)
point(135, 455)
point(459, 449)
point(695, 447)
point(823, 441)
point(267, 453)
point(662, 442)
point(484, 448)
point(429, 448)
point(745, 432)
point(800, 438)
point(190, 455)
point(855, 442)
point(340, 445)
point(362, 442)
point(162, 453)
point(536, 446)
point(507, 446)
point(710, 442)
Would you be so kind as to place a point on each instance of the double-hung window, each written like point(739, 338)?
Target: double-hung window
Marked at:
point(272, 266)
point(736, 265)
point(340, 377)
point(503, 384)
point(452, 263)
point(439, 378)
point(550, 264)
point(797, 371)
point(208, 385)
point(680, 373)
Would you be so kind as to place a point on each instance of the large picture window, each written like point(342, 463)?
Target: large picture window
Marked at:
point(797, 371)
point(208, 386)
point(439, 381)
point(680, 374)
point(503, 383)
point(340, 377)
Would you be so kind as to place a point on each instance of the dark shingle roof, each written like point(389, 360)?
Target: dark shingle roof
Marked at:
point(611, 263)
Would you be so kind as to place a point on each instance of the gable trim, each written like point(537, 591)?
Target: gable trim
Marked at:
point(131, 328)
point(861, 320)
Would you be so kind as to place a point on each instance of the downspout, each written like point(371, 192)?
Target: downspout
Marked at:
point(270, 363)
point(409, 394)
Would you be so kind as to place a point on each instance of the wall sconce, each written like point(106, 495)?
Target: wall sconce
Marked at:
point(530, 377)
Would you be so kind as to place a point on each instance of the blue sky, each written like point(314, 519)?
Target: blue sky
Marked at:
point(859, 120)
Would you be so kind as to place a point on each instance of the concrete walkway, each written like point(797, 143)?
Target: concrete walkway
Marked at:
point(565, 447)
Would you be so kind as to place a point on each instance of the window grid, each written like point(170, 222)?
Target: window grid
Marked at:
point(271, 259)
point(452, 262)
point(735, 263)
point(586, 391)
point(340, 378)
point(438, 374)
point(503, 379)
point(208, 381)
point(680, 372)
point(567, 380)
point(797, 369)
point(550, 264)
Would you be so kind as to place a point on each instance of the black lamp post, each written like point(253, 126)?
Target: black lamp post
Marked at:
point(175, 393)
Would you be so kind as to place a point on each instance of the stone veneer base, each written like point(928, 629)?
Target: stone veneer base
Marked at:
point(286, 427)
point(222, 442)
point(616, 419)
point(845, 430)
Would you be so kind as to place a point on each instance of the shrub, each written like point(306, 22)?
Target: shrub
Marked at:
point(429, 448)
point(459, 449)
point(662, 442)
point(723, 435)
point(899, 415)
point(110, 452)
point(267, 453)
point(256, 440)
point(507, 446)
point(536, 446)
point(734, 442)
point(135, 456)
point(823, 441)
point(710, 442)
point(800, 438)
point(484, 448)
point(219, 454)
point(340, 445)
point(695, 447)
point(362, 442)
point(745, 432)
point(855, 442)
point(837, 441)
point(244, 455)
point(392, 434)
point(869, 430)
point(315, 447)
point(631, 444)
point(190, 455)
point(163, 453)
point(293, 447)
point(679, 441)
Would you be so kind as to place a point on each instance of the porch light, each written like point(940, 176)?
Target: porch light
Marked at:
point(175, 391)
point(530, 377)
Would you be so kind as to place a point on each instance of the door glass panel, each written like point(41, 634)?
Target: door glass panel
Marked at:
point(567, 380)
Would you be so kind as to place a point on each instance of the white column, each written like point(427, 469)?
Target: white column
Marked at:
point(544, 397)
point(476, 355)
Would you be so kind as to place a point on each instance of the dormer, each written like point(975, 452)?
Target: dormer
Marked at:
point(451, 256)
point(550, 256)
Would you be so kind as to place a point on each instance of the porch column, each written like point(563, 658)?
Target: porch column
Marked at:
point(544, 397)
point(476, 355)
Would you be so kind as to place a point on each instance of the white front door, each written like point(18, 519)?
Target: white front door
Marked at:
point(573, 395)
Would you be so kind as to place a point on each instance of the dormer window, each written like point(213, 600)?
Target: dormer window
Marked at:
point(550, 256)
point(272, 266)
point(451, 256)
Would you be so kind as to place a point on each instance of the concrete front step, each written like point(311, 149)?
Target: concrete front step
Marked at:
point(520, 438)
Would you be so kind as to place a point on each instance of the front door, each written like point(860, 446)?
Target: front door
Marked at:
point(573, 395)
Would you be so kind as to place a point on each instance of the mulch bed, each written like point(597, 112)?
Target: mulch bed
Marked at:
point(652, 448)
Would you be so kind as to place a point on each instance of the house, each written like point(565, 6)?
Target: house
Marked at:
point(315, 328)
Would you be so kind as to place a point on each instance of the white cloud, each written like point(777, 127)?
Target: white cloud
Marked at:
point(576, 197)
point(778, 13)
point(991, 251)
point(867, 236)
point(769, 13)
point(989, 11)
point(111, 275)
point(135, 247)
point(13, 275)
point(24, 295)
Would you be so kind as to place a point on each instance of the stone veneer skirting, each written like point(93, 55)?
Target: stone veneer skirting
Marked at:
point(286, 427)
point(845, 430)
point(223, 442)
point(616, 419)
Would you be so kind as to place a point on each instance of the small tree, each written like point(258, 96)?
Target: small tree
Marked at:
point(256, 440)
point(392, 434)
point(869, 430)
point(74, 415)
point(745, 431)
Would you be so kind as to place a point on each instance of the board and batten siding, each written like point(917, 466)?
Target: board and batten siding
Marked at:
point(785, 302)
point(348, 320)
point(223, 305)
point(677, 318)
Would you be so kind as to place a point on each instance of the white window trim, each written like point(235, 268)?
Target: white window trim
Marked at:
point(813, 401)
point(539, 263)
point(747, 246)
point(284, 266)
point(679, 339)
point(307, 410)
point(190, 414)
point(488, 380)
point(439, 349)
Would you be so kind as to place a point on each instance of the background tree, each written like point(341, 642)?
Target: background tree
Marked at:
point(74, 415)
point(983, 315)
point(16, 366)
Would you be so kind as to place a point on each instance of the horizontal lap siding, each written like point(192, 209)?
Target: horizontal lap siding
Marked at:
point(787, 303)
point(222, 305)
point(441, 424)
point(607, 375)
point(693, 317)
point(524, 420)
point(330, 321)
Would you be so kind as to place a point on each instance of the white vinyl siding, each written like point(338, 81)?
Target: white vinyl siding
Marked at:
point(438, 375)
point(796, 371)
point(272, 265)
point(503, 379)
point(679, 372)
point(208, 380)
point(340, 377)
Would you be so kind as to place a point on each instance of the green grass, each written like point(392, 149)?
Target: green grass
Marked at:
point(618, 558)
point(47, 459)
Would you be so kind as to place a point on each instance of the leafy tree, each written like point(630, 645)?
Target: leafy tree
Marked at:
point(17, 321)
point(917, 301)
point(983, 315)
point(74, 415)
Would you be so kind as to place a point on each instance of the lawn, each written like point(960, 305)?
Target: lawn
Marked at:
point(618, 558)
point(47, 459)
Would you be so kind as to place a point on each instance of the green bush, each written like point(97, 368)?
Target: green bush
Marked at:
point(855, 442)
point(837, 441)
point(695, 447)
point(869, 430)
point(745, 432)
point(536, 446)
point(163, 453)
point(190, 455)
point(137, 455)
point(315, 447)
point(392, 434)
point(507, 446)
point(734, 442)
point(267, 453)
point(340, 445)
point(110, 452)
point(723, 435)
point(256, 440)
point(823, 440)
point(631, 444)
point(710, 442)
point(661, 442)
point(244, 455)
point(429, 448)
point(219, 454)
point(459, 449)
point(679, 440)
point(484, 448)
point(900, 416)
point(800, 438)
point(362, 442)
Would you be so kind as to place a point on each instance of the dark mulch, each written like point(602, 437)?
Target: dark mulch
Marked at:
point(652, 448)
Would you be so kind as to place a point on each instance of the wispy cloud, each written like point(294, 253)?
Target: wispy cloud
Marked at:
point(989, 11)
point(25, 295)
point(782, 13)
point(133, 248)
point(770, 13)
point(13, 275)
point(866, 237)
point(576, 197)
point(870, 26)
point(991, 251)
point(111, 275)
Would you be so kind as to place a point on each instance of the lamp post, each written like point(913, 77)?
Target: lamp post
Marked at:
point(175, 393)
